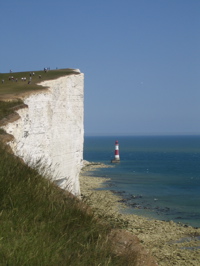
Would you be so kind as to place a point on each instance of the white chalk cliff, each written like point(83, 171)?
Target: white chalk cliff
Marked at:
point(51, 129)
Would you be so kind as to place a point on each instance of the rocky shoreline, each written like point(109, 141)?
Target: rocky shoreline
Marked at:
point(168, 242)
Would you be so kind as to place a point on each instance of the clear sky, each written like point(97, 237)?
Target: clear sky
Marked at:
point(141, 58)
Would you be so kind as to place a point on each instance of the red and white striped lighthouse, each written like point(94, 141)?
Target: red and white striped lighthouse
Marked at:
point(117, 158)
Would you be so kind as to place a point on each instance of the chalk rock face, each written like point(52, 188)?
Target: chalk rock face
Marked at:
point(51, 130)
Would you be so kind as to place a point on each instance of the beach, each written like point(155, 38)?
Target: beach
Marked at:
point(169, 243)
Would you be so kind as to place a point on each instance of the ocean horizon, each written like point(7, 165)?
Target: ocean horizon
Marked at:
point(157, 177)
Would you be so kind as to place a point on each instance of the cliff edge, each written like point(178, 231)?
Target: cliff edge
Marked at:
point(50, 130)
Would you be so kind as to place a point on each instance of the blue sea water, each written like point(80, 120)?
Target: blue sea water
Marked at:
point(158, 176)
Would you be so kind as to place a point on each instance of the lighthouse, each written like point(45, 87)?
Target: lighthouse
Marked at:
point(117, 159)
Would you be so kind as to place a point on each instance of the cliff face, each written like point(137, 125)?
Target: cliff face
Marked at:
point(51, 130)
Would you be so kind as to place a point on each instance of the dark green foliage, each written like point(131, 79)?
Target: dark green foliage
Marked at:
point(6, 108)
point(42, 225)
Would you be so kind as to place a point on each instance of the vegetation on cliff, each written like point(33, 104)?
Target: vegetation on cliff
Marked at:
point(19, 82)
point(40, 224)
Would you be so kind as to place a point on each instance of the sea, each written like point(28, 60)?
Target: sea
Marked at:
point(157, 177)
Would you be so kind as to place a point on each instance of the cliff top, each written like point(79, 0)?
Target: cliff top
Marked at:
point(15, 83)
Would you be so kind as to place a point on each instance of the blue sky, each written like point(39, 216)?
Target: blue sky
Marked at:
point(141, 58)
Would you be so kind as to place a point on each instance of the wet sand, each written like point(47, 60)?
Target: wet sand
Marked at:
point(169, 243)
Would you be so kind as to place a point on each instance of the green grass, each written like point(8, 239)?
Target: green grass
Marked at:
point(39, 225)
point(42, 225)
point(13, 87)
point(7, 108)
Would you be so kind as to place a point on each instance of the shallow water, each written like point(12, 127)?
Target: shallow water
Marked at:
point(157, 177)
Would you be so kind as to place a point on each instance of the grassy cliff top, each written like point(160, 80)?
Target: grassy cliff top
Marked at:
point(12, 85)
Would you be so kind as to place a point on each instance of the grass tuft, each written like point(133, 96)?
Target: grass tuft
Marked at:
point(7, 108)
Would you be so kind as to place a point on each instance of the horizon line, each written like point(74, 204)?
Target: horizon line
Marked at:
point(140, 135)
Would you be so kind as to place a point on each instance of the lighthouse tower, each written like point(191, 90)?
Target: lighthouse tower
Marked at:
point(117, 159)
